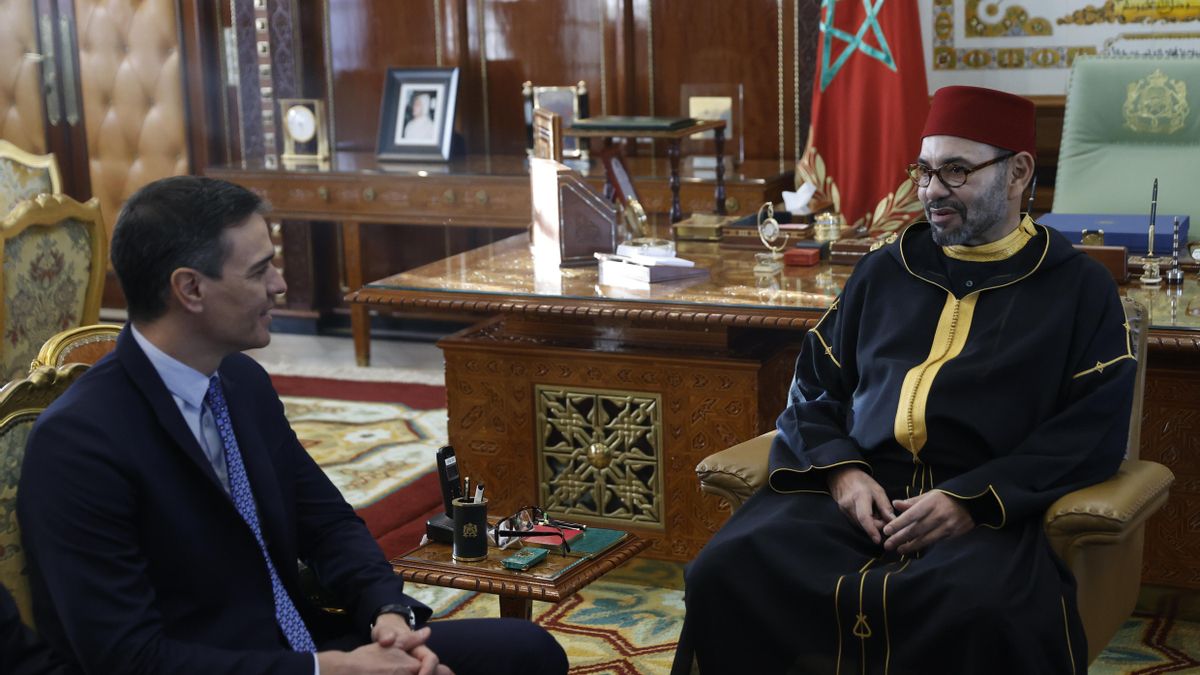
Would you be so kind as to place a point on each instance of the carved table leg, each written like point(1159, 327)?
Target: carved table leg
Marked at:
point(516, 608)
point(719, 137)
point(360, 317)
point(673, 154)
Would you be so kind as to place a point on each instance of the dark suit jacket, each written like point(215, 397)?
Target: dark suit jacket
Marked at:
point(140, 562)
point(21, 653)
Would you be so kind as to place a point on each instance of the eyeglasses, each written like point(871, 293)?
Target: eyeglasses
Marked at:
point(952, 175)
point(523, 524)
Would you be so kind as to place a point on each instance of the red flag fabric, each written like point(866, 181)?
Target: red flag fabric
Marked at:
point(869, 105)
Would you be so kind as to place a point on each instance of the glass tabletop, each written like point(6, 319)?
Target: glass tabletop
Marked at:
point(508, 269)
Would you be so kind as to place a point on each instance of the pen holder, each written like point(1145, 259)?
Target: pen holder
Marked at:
point(470, 530)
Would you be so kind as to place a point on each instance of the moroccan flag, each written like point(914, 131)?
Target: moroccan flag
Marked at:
point(868, 108)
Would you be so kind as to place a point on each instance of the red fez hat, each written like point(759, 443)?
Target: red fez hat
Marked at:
point(984, 115)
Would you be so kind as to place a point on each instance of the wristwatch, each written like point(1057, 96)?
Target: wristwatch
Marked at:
point(403, 610)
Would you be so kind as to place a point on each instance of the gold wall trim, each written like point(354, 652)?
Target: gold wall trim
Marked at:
point(1015, 21)
point(483, 77)
point(779, 69)
point(796, 80)
point(947, 56)
point(438, 47)
point(650, 49)
point(603, 61)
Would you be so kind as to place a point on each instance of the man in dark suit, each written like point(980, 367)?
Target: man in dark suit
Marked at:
point(165, 500)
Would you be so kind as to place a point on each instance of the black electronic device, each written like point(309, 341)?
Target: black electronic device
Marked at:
point(441, 527)
point(448, 477)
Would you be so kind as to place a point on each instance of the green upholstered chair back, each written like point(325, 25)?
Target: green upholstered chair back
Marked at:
point(53, 256)
point(24, 175)
point(1128, 121)
point(20, 404)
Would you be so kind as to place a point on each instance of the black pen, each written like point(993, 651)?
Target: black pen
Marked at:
point(1153, 210)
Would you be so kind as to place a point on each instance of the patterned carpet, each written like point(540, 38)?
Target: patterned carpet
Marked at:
point(376, 441)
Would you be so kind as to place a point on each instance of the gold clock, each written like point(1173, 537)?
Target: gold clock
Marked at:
point(305, 135)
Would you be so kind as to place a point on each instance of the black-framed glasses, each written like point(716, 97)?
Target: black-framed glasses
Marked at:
point(952, 175)
point(524, 522)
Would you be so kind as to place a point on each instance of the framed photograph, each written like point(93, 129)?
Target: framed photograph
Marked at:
point(569, 103)
point(416, 120)
point(714, 102)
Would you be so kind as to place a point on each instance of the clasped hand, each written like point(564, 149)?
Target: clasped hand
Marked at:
point(395, 649)
point(922, 520)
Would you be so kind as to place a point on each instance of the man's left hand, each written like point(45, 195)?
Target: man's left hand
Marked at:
point(925, 519)
point(391, 630)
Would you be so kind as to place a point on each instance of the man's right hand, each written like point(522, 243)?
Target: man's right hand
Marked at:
point(373, 659)
point(861, 499)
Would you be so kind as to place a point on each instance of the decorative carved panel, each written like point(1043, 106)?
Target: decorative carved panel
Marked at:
point(600, 454)
point(706, 400)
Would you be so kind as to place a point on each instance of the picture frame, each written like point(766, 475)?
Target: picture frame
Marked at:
point(569, 103)
point(416, 119)
point(714, 101)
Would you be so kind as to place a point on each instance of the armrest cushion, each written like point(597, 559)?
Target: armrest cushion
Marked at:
point(737, 472)
point(1117, 505)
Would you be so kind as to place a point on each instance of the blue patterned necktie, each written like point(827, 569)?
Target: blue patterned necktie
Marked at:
point(243, 499)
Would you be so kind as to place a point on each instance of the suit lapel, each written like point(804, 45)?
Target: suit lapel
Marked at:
point(147, 380)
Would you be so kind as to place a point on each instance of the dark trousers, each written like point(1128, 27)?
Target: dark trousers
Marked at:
point(496, 647)
point(485, 647)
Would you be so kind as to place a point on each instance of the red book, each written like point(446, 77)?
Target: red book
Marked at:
point(551, 539)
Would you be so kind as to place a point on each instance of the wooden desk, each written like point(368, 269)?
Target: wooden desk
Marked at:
point(711, 362)
point(471, 193)
point(432, 564)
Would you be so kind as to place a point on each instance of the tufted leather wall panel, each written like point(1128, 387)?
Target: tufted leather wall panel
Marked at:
point(20, 78)
point(132, 96)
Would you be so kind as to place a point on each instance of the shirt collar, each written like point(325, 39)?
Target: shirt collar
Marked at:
point(182, 380)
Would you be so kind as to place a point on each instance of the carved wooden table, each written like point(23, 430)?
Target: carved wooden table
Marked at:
point(491, 192)
point(674, 138)
point(432, 564)
point(710, 361)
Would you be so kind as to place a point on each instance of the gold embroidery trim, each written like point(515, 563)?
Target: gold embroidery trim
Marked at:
point(949, 338)
point(1099, 367)
point(771, 478)
point(837, 617)
point(887, 634)
point(1001, 249)
point(1067, 628)
point(996, 495)
point(821, 338)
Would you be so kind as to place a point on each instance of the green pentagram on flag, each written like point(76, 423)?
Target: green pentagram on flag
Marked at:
point(853, 42)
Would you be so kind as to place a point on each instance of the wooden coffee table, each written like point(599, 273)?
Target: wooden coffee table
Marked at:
point(555, 579)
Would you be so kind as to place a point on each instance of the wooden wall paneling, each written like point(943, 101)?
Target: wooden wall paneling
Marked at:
point(65, 138)
point(741, 43)
point(548, 42)
point(367, 37)
point(201, 43)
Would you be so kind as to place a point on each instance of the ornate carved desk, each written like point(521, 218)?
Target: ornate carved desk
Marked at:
point(598, 401)
point(488, 193)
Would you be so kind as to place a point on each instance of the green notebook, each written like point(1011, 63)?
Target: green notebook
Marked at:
point(594, 540)
point(632, 123)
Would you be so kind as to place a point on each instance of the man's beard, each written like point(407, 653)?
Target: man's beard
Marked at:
point(988, 209)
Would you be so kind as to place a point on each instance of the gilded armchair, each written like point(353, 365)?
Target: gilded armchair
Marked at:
point(24, 175)
point(86, 344)
point(54, 261)
point(1097, 531)
point(20, 404)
